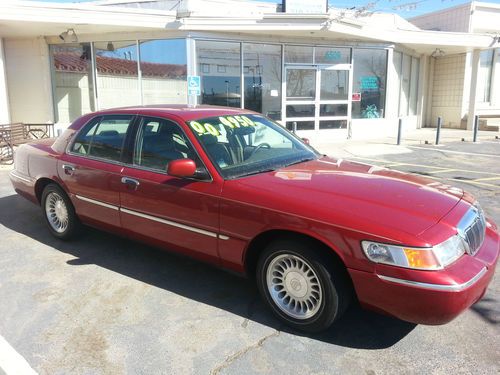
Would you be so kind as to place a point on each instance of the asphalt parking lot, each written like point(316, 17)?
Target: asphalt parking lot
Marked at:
point(106, 305)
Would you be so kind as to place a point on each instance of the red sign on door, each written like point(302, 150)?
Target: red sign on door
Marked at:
point(356, 96)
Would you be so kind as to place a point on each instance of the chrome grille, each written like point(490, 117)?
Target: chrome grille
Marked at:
point(472, 229)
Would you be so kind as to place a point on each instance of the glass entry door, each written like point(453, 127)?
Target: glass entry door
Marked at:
point(318, 97)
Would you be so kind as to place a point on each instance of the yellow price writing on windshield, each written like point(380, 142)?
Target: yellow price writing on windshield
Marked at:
point(236, 121)
point(204, 129)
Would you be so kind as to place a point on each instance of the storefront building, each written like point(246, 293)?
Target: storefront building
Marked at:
point(327, 76)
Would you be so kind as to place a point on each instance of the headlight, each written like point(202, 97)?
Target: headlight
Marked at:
point(430, 258)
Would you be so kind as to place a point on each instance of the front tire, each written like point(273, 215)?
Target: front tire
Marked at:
point(304, 290)
point(59, 213)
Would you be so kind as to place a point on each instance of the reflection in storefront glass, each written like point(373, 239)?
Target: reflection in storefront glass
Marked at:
point(163, 71)
point(301, 84)
point(262, 77)
point(298, 54)
point(334, 85)
point(219, 68)
point(73, 84)
point(117, 74)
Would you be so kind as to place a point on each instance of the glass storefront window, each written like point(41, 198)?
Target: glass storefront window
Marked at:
point(262, 78)
point(333, 124)
point(219, 87)
point(72, 81)
point(300, 110)
point(398, 61)
point(301, 84)
point(300, 125)
point(117, 74)
point(163, 71)
point(485, 75)
point(298, 54)
point(370, 77)
point(415, 66)
point(404, 99)
point(334, 85)
point(332, 55)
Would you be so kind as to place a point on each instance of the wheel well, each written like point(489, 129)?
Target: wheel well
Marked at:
point(40, 185)
point(258, 244)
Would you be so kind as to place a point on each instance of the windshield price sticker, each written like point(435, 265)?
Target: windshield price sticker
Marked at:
point(236, 121)
point(204, 129)
point(229, 121)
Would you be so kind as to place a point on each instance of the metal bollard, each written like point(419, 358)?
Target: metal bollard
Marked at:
point(400, 128)
point(294, 127)
point(438, 131)
point(476, 126)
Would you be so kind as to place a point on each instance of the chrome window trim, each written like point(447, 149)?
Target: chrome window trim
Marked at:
point(134, 166)
point(75, 135)
point(439, 287)
point(99, 203)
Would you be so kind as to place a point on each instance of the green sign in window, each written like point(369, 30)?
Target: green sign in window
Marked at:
point(369, 83)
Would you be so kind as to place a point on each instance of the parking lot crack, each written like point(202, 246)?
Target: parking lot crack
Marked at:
point(233, 357)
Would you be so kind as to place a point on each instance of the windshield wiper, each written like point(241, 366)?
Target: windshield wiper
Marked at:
point(256, 172)
point(300, 161)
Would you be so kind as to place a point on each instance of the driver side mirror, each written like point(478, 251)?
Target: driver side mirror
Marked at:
point(181, 168)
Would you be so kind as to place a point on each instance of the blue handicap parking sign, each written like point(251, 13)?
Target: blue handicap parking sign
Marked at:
point(194, 85)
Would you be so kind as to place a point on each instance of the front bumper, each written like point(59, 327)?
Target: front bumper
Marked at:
point(429, 297)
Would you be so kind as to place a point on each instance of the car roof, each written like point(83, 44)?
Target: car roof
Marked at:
point(184, 111)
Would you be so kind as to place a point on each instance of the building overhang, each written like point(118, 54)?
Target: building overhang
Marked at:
point(29, 19)
point(21, 19)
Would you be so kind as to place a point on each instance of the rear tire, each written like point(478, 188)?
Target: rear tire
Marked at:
point(305, 290)
point(59, 213)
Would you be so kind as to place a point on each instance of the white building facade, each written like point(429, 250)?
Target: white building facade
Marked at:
point(328, 76)
point(467, 82)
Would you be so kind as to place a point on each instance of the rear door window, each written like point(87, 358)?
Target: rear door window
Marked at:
point(103, 138)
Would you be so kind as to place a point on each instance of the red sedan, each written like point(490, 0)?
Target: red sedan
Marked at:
point(235, 189)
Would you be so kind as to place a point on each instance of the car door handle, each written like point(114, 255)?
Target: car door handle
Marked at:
point(68, 169)
point(131, 182)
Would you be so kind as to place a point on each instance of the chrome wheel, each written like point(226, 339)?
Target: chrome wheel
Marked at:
point(57, 212)
point(294, 286)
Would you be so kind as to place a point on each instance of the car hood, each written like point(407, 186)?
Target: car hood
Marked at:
point(358, 196)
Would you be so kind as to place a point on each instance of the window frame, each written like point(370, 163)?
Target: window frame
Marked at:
point(91, 122)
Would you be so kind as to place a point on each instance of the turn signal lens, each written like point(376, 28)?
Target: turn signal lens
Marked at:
point(424, 259)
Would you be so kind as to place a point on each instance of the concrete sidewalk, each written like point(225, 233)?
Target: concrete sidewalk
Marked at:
point(388, 145)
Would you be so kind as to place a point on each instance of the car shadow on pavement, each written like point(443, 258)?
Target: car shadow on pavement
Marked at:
point(192, 279)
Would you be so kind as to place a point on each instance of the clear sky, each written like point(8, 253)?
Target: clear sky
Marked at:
point(405, 8)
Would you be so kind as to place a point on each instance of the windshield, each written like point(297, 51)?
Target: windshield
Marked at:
point(248, 144)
